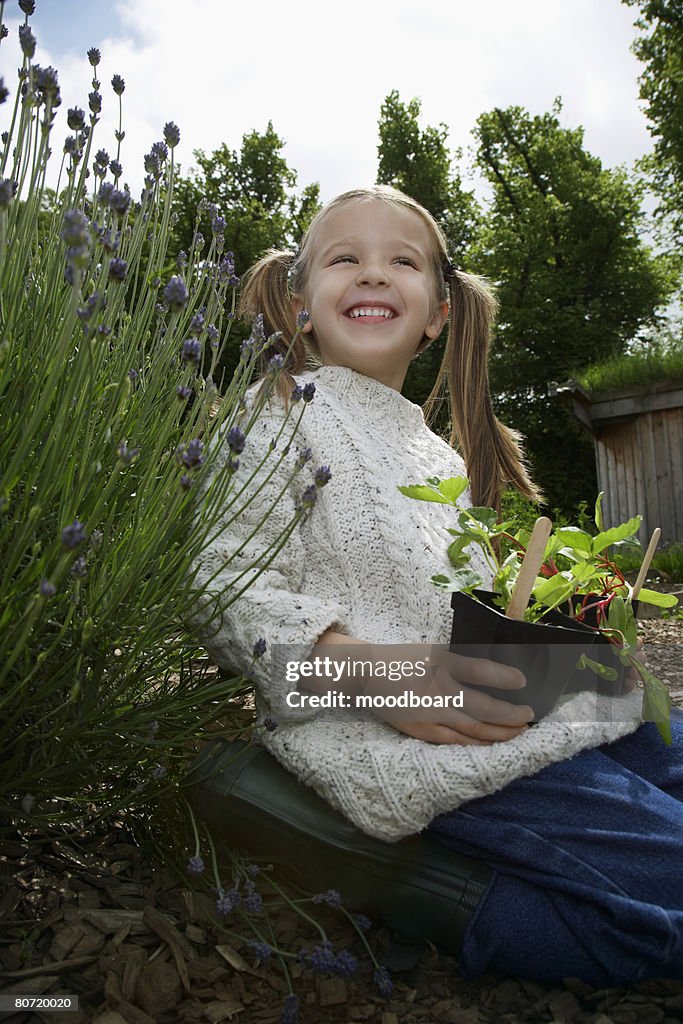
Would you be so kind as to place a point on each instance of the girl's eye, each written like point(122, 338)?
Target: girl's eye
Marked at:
point(343, 259)
point(405, 261)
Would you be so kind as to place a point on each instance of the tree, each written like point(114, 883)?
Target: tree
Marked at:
point(575, 280)
point(254, 191)
point(660, 48)
point(418, 162)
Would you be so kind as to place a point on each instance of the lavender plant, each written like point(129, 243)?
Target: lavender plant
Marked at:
point(109, 413)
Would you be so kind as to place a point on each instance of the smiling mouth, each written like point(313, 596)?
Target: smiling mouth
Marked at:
point(370, 312)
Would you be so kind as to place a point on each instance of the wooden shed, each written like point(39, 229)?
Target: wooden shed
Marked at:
point(639, 453)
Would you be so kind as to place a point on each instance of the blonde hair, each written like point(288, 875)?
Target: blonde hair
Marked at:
point(492, 452)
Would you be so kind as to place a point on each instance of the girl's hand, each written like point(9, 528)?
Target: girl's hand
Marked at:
point(482, 719)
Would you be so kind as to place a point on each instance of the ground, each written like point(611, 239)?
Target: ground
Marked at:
point(139, 947)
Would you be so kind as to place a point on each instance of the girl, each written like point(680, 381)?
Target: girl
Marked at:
point(581, 816)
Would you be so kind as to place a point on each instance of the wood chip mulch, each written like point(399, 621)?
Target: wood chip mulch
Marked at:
point(138, 947)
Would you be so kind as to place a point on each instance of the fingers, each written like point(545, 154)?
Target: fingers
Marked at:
point(479, 706)
point(480, 719)
point(481, 671)
point(473, 717)
point(431, 732)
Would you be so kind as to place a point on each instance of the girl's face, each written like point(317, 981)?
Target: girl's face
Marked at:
point(370, 292)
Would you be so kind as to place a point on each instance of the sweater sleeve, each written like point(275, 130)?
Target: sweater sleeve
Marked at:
point(241, 553)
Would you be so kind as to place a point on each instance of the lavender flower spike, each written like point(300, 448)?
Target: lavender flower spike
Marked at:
point(160, 150)
point(8, 190)
point(192, 350)
point(75, 119)
point(383, 982)
point(195, 865)
point(73, 535)
point(94, 56)
point(79, 569)
point(332, 898)
point(118, 269)
point(27, 41)
point(171, 134)
point(290, 1010)
point(228, 901)
point(236, 440)
point(309, 497)
point(46, 82)
point(191, 456)
point(322, 476)
point(119, 200)
point(176, 293)
point(305, 455)
point(262, 950)
point(118, 84)
point(106, 192)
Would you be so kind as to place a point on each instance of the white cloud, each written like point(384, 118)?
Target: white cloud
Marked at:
point(320, 74)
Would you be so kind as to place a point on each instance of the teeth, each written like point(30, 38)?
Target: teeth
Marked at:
point(370, 311)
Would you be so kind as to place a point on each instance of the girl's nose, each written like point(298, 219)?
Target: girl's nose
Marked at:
point(372, 273)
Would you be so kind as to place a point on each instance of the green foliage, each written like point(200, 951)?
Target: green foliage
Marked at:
point(575, 280)
point(418, 161)
point(660, 48)
point(524, 513)
point(254, 191)
point(666, 563)
point(641, 369)
point(108, 430)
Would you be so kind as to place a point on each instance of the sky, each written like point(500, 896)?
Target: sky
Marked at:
point(320, 72)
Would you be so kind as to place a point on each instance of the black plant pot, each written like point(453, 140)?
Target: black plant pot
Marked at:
point(546, 652)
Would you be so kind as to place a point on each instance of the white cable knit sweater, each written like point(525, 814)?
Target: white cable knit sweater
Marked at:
point(360, 563)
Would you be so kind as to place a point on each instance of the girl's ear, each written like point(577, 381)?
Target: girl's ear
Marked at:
point(435, 325)
point(298, 304)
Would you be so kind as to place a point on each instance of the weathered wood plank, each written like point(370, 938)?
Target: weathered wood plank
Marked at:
point(635, 405)
point(650, 491)
point(674, 423)
point(664, 492)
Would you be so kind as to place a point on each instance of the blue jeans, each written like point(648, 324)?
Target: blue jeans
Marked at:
point(588, 866)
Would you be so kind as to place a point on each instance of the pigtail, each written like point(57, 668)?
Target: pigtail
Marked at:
point(492, 452)
point(266, 290)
